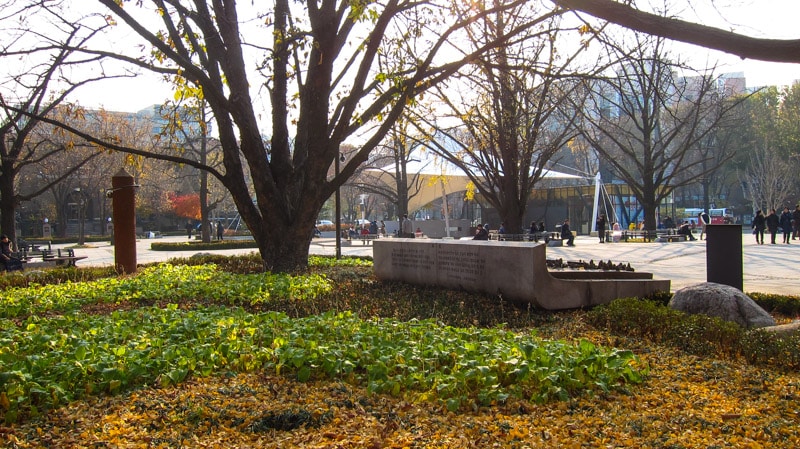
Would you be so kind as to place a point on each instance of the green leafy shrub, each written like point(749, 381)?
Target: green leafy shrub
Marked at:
point(239, 264)
point(696, 334)
point(190, 245)
point(660, 297)
point(703, 335)
point(635, 317)
point(54, 275)
point(761, 347)
point(344, 261)
point(782, 304)
point(66, 240)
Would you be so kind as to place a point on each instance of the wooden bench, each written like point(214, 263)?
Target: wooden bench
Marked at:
point(527, 237)
point(493, 235)
point(366, 239)
point(669, 235)
point(30, 250)
point(675, 238)
point(64, 257)
point(643, 235)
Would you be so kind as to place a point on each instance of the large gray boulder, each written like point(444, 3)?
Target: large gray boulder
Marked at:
point(721, 301)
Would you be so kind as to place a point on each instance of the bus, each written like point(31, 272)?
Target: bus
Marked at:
point(690, 215)
point(716, 216)
point(720, 216)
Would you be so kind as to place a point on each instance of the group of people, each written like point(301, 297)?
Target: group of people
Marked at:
point(373, 228)
point(788, 222)
point(217, 229)
point(535, 232)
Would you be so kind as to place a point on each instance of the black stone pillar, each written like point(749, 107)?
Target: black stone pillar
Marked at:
point(724, 254)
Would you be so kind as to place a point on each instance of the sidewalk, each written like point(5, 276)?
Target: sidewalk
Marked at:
point(767, 268)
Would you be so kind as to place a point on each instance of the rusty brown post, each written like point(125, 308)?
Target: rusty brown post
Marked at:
point(124, 219)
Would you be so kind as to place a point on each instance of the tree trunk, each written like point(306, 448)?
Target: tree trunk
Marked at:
point(286, 251)
point(284, 245)
point(7, 203)
point(512, 215)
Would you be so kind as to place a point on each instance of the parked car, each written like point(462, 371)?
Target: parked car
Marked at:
point(324, 222)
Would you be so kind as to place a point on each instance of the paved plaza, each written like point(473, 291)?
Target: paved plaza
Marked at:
point(767, 268)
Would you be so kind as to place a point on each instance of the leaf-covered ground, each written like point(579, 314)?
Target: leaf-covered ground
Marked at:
point(688, 402)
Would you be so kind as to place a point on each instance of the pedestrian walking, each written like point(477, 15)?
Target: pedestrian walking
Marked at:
point(759, 224)
point(773, 221)
point(702, 221)
point(566, 233)
point(786, 225)
point(601, 227)
point(221, 230)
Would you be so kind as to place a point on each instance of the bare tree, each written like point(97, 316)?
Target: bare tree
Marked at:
point(768, 167)
point(78, 171)
point(321, 81)
point(389, 173)
point(768, 178)
point(186, 133)
point(511, 108)
point(710, 156)
point(647, 121)
point(29, 96)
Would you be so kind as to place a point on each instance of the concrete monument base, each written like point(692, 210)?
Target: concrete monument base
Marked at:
point(515, 270)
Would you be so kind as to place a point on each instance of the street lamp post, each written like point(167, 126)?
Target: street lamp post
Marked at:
point(338, 220)
point(81, 216)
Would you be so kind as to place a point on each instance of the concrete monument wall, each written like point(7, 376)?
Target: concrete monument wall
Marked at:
point(515, 270)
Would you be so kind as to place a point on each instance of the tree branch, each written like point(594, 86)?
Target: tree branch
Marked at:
point(746, 47)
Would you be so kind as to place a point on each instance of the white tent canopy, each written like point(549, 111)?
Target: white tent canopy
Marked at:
point(429, 172)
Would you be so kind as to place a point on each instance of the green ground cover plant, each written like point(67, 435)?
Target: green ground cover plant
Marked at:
point(369, 364)
point(54, 360)
point(163, 283)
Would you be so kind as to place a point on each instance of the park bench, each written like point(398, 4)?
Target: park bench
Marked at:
point(65, 257)
point(366, 239)
point(493, 235)
point(639, 235)
point(551, 238)
point(526, 237)
point(29, 250)
point(669, 235)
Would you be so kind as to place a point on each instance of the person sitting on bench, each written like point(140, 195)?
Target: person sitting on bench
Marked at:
point(10, 263)
point(481, 233)
point(686, 230)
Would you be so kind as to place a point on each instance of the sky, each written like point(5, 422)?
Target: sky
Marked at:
point(757, 18)
point(776, 19)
